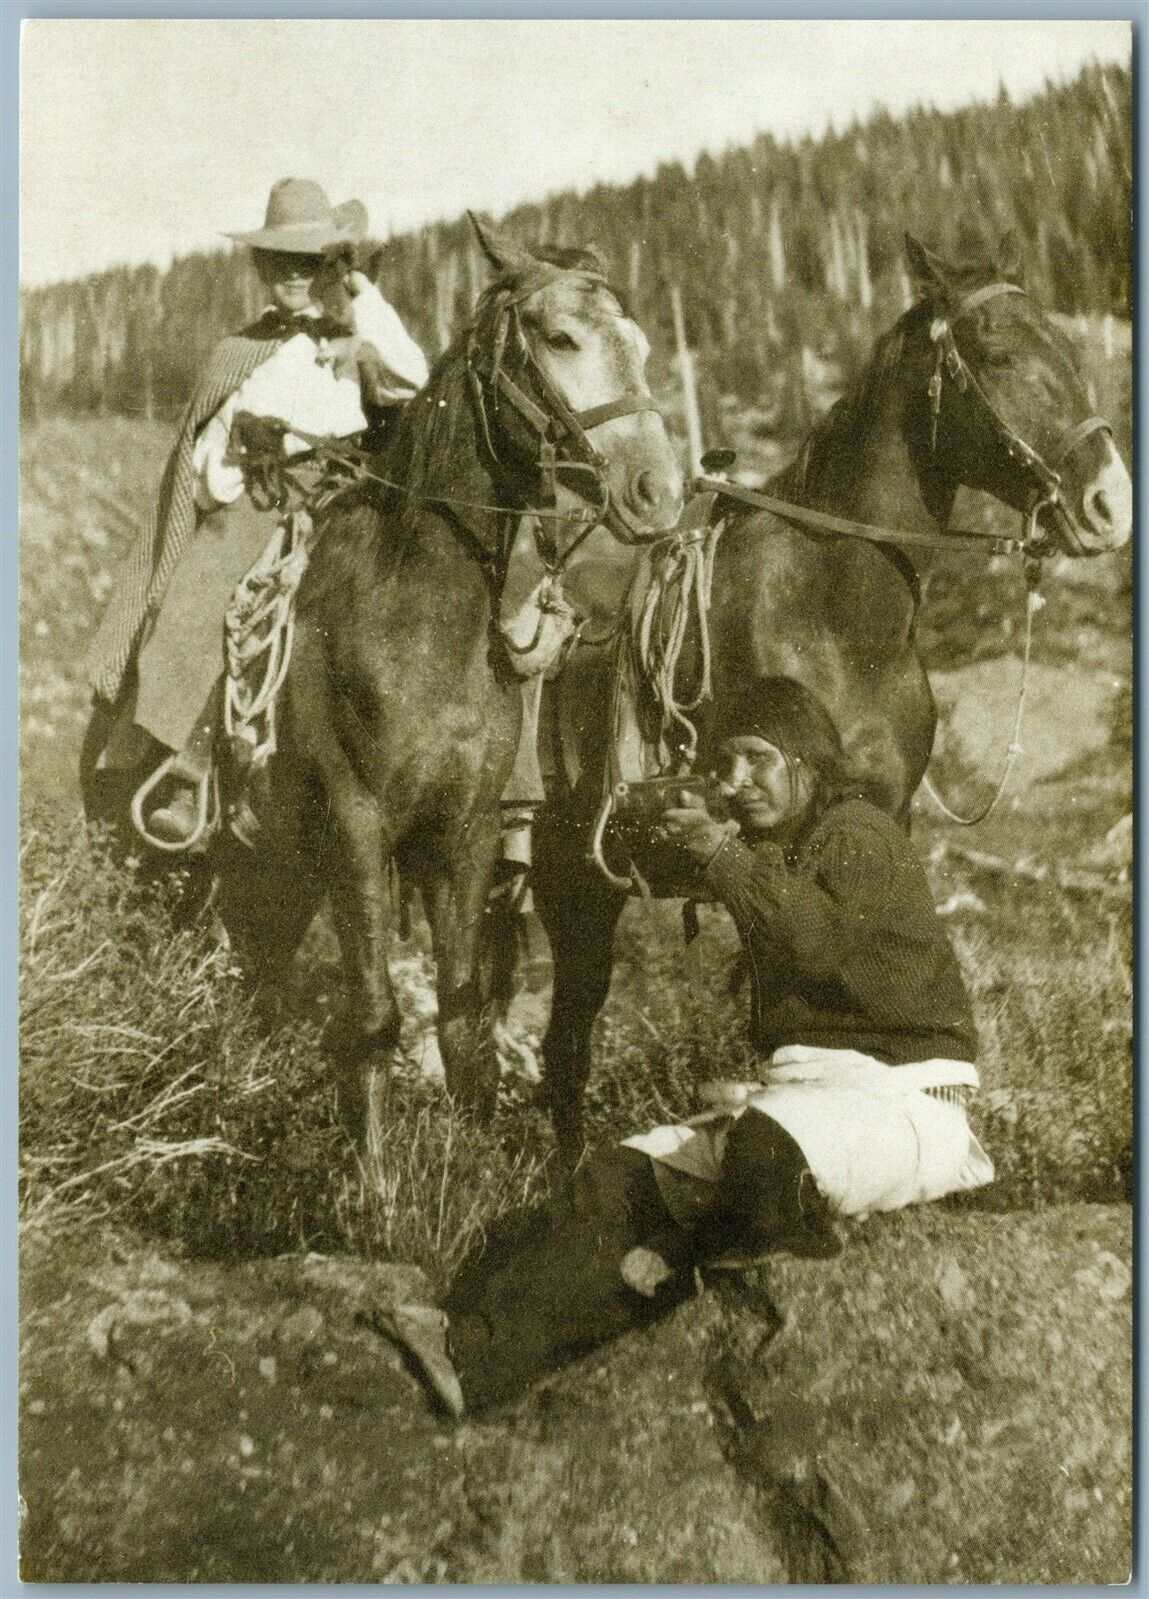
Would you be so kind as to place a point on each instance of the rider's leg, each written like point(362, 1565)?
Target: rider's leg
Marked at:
point(182, 656)
point(522, 796)
point(181, 661)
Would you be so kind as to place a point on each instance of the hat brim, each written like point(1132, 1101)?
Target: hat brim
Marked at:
point(348, 225)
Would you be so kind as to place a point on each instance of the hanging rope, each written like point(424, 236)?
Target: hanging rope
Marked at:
point(1033, 603)
point(259, 633)
point(678, 590)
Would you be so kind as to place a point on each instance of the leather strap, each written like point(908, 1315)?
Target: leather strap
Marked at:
point(625, 405)
point(823, 522)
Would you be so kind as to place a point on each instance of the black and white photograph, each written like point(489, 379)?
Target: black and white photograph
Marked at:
point(576, 801)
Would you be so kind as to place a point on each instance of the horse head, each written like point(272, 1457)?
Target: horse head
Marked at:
point(1008, 411)
point(558, 371)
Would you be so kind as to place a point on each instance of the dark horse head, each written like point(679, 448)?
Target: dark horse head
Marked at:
point(1004, 408)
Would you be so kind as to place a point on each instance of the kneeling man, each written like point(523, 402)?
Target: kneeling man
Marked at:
point(865, 1028)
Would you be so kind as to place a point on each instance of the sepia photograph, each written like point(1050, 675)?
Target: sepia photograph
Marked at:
point(576, 794)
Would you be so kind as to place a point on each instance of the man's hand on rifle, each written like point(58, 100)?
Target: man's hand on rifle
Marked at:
point(690, 825)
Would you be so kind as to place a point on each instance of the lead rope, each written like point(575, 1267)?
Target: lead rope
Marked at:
point(685, 573)
point(1033, 603)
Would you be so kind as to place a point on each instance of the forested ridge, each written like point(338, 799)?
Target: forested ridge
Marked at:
point(783, 251)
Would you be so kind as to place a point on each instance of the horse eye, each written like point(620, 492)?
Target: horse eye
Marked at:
point(560, 341)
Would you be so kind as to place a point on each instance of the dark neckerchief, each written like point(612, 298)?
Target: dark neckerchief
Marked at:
point(285, 325)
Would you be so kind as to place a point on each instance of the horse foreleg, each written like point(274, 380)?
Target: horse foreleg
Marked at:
point(357, 855)
point(461, 931)
point(267, 901)
point(580, 911)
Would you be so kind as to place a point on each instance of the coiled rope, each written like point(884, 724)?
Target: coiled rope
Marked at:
point(259, 632)
point(676, 591)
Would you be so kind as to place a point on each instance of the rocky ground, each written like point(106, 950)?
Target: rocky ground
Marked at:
point(947, 1401)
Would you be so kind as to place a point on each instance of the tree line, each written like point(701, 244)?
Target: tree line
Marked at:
point(784, 252)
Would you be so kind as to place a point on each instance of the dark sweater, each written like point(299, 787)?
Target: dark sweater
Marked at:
point(844, 943)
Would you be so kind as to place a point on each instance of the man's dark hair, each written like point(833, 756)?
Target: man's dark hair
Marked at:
point(787, 714)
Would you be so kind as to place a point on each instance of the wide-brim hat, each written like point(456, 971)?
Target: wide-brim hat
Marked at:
point(301, 220)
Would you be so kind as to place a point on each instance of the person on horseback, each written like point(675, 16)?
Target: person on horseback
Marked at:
point(327, 355)
point(865, 1026)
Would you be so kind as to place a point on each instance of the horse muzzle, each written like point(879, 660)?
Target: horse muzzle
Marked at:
point(651, 502)
point(1100, 520)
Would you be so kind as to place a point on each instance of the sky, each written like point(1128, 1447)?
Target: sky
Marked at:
point(143, 139)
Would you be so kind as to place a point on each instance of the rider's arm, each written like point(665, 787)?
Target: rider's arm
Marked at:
point(377, 322)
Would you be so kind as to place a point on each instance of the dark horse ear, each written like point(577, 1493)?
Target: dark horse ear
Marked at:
point(928, 272)
point(1009, 263)
point(502, 252)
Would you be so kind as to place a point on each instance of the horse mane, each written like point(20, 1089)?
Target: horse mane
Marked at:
point(432, 441)
point(847, 414)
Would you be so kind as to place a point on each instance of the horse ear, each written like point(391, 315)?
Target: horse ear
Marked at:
point(502, 252)
point(1009, 258)
point(928, 272)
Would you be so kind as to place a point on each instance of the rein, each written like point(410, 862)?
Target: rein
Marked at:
point(1033, 604)
point(823, 522)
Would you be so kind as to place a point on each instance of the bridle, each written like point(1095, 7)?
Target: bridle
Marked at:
point(554, 438)
point(1043, 470)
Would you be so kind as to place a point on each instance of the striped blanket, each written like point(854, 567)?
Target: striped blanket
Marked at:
point(149, 566)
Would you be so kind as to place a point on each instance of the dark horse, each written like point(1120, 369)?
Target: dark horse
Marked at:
point(399, 717)
point(975, 386)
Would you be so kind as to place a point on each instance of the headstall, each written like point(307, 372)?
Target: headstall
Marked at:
point(949, 362)
point(559, 434)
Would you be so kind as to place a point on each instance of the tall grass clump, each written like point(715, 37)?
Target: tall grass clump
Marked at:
point(1053, 1002)
point(150, 1093)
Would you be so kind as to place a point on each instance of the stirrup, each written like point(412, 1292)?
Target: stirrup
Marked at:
point(207, 808)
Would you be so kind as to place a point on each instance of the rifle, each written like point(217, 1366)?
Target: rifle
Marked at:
point(645, 801)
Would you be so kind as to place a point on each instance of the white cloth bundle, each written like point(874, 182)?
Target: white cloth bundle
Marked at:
point(873, 1136)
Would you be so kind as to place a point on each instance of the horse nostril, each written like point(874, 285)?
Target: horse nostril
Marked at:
point(1098, 509)
point(646, 488)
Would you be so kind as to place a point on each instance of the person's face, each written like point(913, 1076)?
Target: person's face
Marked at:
point(294, 282)
point(762, 789)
